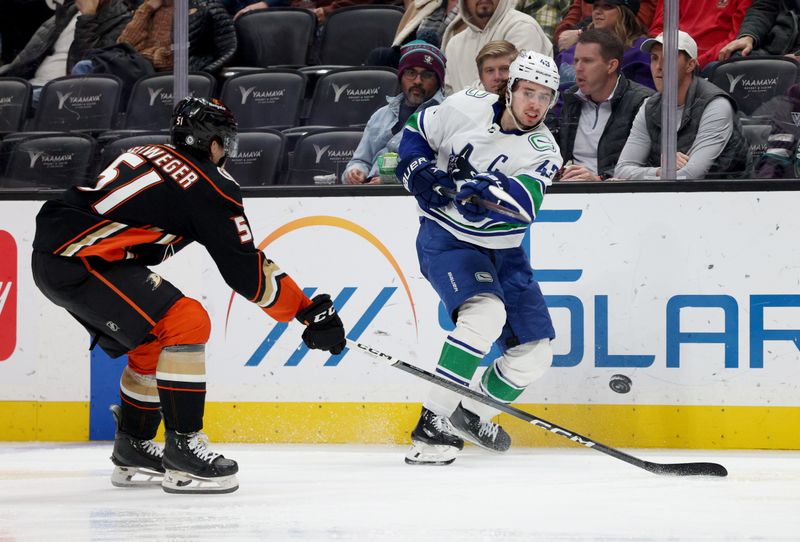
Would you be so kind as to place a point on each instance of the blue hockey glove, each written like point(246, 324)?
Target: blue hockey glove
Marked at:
point(479, 187)
point(419, 175)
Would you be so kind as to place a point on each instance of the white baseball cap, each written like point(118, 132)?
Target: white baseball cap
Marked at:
point(685, 43)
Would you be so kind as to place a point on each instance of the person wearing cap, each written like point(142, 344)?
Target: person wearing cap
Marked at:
point(712, 24)
point(619, 17)
point(598, 110)
point(711, 143)
point(420, 74)
point(478, 23)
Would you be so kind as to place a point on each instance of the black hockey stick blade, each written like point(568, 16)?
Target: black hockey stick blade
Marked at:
point(519, 217)
point(673, 469)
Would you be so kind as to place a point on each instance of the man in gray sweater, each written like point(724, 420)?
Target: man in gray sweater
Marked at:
point(711, 143)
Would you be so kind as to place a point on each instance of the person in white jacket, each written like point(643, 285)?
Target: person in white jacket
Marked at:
point(485, 21)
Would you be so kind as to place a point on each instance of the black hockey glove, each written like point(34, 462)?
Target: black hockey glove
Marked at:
point(324, 328)
point(420, 176)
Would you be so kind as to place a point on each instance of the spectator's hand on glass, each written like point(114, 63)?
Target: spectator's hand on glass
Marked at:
point(374, 180)
point(87, 7)
point(744, 44)
point(578, 173)
point(355, 176)
point(155, 4)
point(251, 7)
point(567, 39)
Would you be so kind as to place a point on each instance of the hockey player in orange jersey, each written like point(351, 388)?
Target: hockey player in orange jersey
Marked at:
point(91, 253)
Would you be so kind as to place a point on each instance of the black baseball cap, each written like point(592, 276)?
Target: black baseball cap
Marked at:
point(632, 5)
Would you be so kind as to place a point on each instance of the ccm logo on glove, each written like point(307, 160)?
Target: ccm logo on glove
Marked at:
point(324, 330)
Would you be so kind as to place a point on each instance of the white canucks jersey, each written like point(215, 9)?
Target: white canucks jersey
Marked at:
point(464, 131)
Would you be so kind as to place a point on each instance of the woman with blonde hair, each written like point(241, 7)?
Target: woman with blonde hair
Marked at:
point(618, 16)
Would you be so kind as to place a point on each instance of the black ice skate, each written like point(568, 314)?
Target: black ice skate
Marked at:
point(193, 468)
point(137, 462)
point(487, 435)
point(433, 441)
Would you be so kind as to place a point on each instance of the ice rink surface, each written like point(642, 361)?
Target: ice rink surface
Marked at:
point(367, 493)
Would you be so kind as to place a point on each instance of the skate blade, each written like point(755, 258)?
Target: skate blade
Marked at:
point(136, 477)
point(430, 454)
point(183, 482)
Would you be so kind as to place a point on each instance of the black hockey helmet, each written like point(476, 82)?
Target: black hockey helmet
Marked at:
point(197, 122)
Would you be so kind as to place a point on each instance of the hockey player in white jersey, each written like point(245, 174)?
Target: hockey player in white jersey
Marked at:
point(478, 143)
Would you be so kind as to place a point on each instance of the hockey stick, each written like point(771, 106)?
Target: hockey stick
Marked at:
point(522, 217)
point(676, 469)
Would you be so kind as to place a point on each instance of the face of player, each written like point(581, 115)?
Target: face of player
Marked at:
point(604, 15)
point(481, 10)
point(592, 73)
point(418, 85)
point(494, 73)
point(530, 102)
point(685, 67)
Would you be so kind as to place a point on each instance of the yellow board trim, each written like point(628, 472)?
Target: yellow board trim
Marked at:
point(46, 421)
point(643, 426)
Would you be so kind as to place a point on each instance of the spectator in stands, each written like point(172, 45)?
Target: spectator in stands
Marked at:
point(781, 160)
point(711, 24)
point(321, 8)
point(769, 27)
point(598, 111)
point(484, 21)
point(421, 73)
point(710, 139)
point(493, 61)
point(547, 13)
point(618, 16)
point(579, 17)
point(19, 22)
point(424, 20)
point(212, 39)
point(237, 8)
point(64, 38)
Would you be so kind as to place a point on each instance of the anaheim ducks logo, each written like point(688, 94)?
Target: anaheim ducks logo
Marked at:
point(154, 281)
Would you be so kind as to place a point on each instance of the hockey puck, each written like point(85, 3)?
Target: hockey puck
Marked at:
point(620, 383)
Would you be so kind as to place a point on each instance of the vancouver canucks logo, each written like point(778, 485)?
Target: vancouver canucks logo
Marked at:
point(459, 167)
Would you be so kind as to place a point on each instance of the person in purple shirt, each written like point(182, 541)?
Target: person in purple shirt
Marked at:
point(618, 16)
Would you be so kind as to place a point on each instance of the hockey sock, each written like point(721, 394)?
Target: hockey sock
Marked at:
point(181, 377)
point(141, 412)
point(480, 320)
point(510, 374)
point(457, 362)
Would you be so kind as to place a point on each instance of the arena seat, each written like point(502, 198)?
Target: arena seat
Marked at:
point(752, 81)
point(265, 99)
point(756, 135)
point(115, 147)
point(275, 36)
point(350, 33)
point(87, 103)
point(150, 104)
point(320, 156)
point(258, 158)
point(15, 96)
point(56, 161)
point(349, 96)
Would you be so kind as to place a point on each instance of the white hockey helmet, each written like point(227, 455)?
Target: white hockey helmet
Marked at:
point(536, 68)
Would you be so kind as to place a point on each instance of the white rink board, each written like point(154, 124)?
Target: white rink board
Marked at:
point(634, 255)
